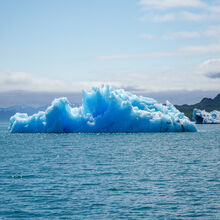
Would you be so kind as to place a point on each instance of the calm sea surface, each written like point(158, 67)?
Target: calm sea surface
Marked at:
point(110, 176)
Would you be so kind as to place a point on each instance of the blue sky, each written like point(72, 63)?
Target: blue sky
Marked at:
point(142, 45)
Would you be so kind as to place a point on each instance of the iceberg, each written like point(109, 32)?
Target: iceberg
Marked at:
point(203, 117)
point(104, 109)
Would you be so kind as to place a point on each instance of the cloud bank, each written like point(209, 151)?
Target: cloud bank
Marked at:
point(11, 81)
point(211, 68)
point(171, 10)
point(191, 50)
point(170, 4)
point(204, 77)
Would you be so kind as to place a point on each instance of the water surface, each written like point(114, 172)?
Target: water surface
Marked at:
point(110, 176)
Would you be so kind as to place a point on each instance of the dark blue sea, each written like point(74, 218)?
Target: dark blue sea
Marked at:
point(110, 176)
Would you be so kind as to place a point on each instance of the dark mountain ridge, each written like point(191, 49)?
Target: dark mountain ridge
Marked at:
point(6, 113)
point(206, 104)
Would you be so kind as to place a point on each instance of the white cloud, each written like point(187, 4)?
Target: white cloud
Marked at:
point(170, 79)
point(194, 50)
point(24, 81)
point(27, 82)
point(158, 18)
point(200, 50)
point(214, 9)
point(208, 14)
point(189, 16)
point(213, 31)
point(148, 80)
point(147, 36)
point(170, 10)
point(182, 34)
point(211, 68)
point(135, 56)
point(169, 4)
point(163, 17)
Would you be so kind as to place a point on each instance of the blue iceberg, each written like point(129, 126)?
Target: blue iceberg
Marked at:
point(104, 109)
point(203, 117)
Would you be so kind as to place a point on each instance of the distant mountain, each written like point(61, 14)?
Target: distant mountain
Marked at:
point(206, 104)
point(6, 113)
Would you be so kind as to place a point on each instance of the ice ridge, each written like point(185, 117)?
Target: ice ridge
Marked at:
point(203, 117)
point(104, 109)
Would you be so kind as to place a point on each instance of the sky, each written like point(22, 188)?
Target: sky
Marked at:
point(144, 46)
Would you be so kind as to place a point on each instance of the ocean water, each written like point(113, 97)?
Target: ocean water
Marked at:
point(110, 176)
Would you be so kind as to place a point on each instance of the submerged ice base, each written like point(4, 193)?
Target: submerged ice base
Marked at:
point(104, 109)
point(203, 117)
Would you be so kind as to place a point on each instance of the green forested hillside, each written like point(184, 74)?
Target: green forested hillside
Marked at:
point(207, 104)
